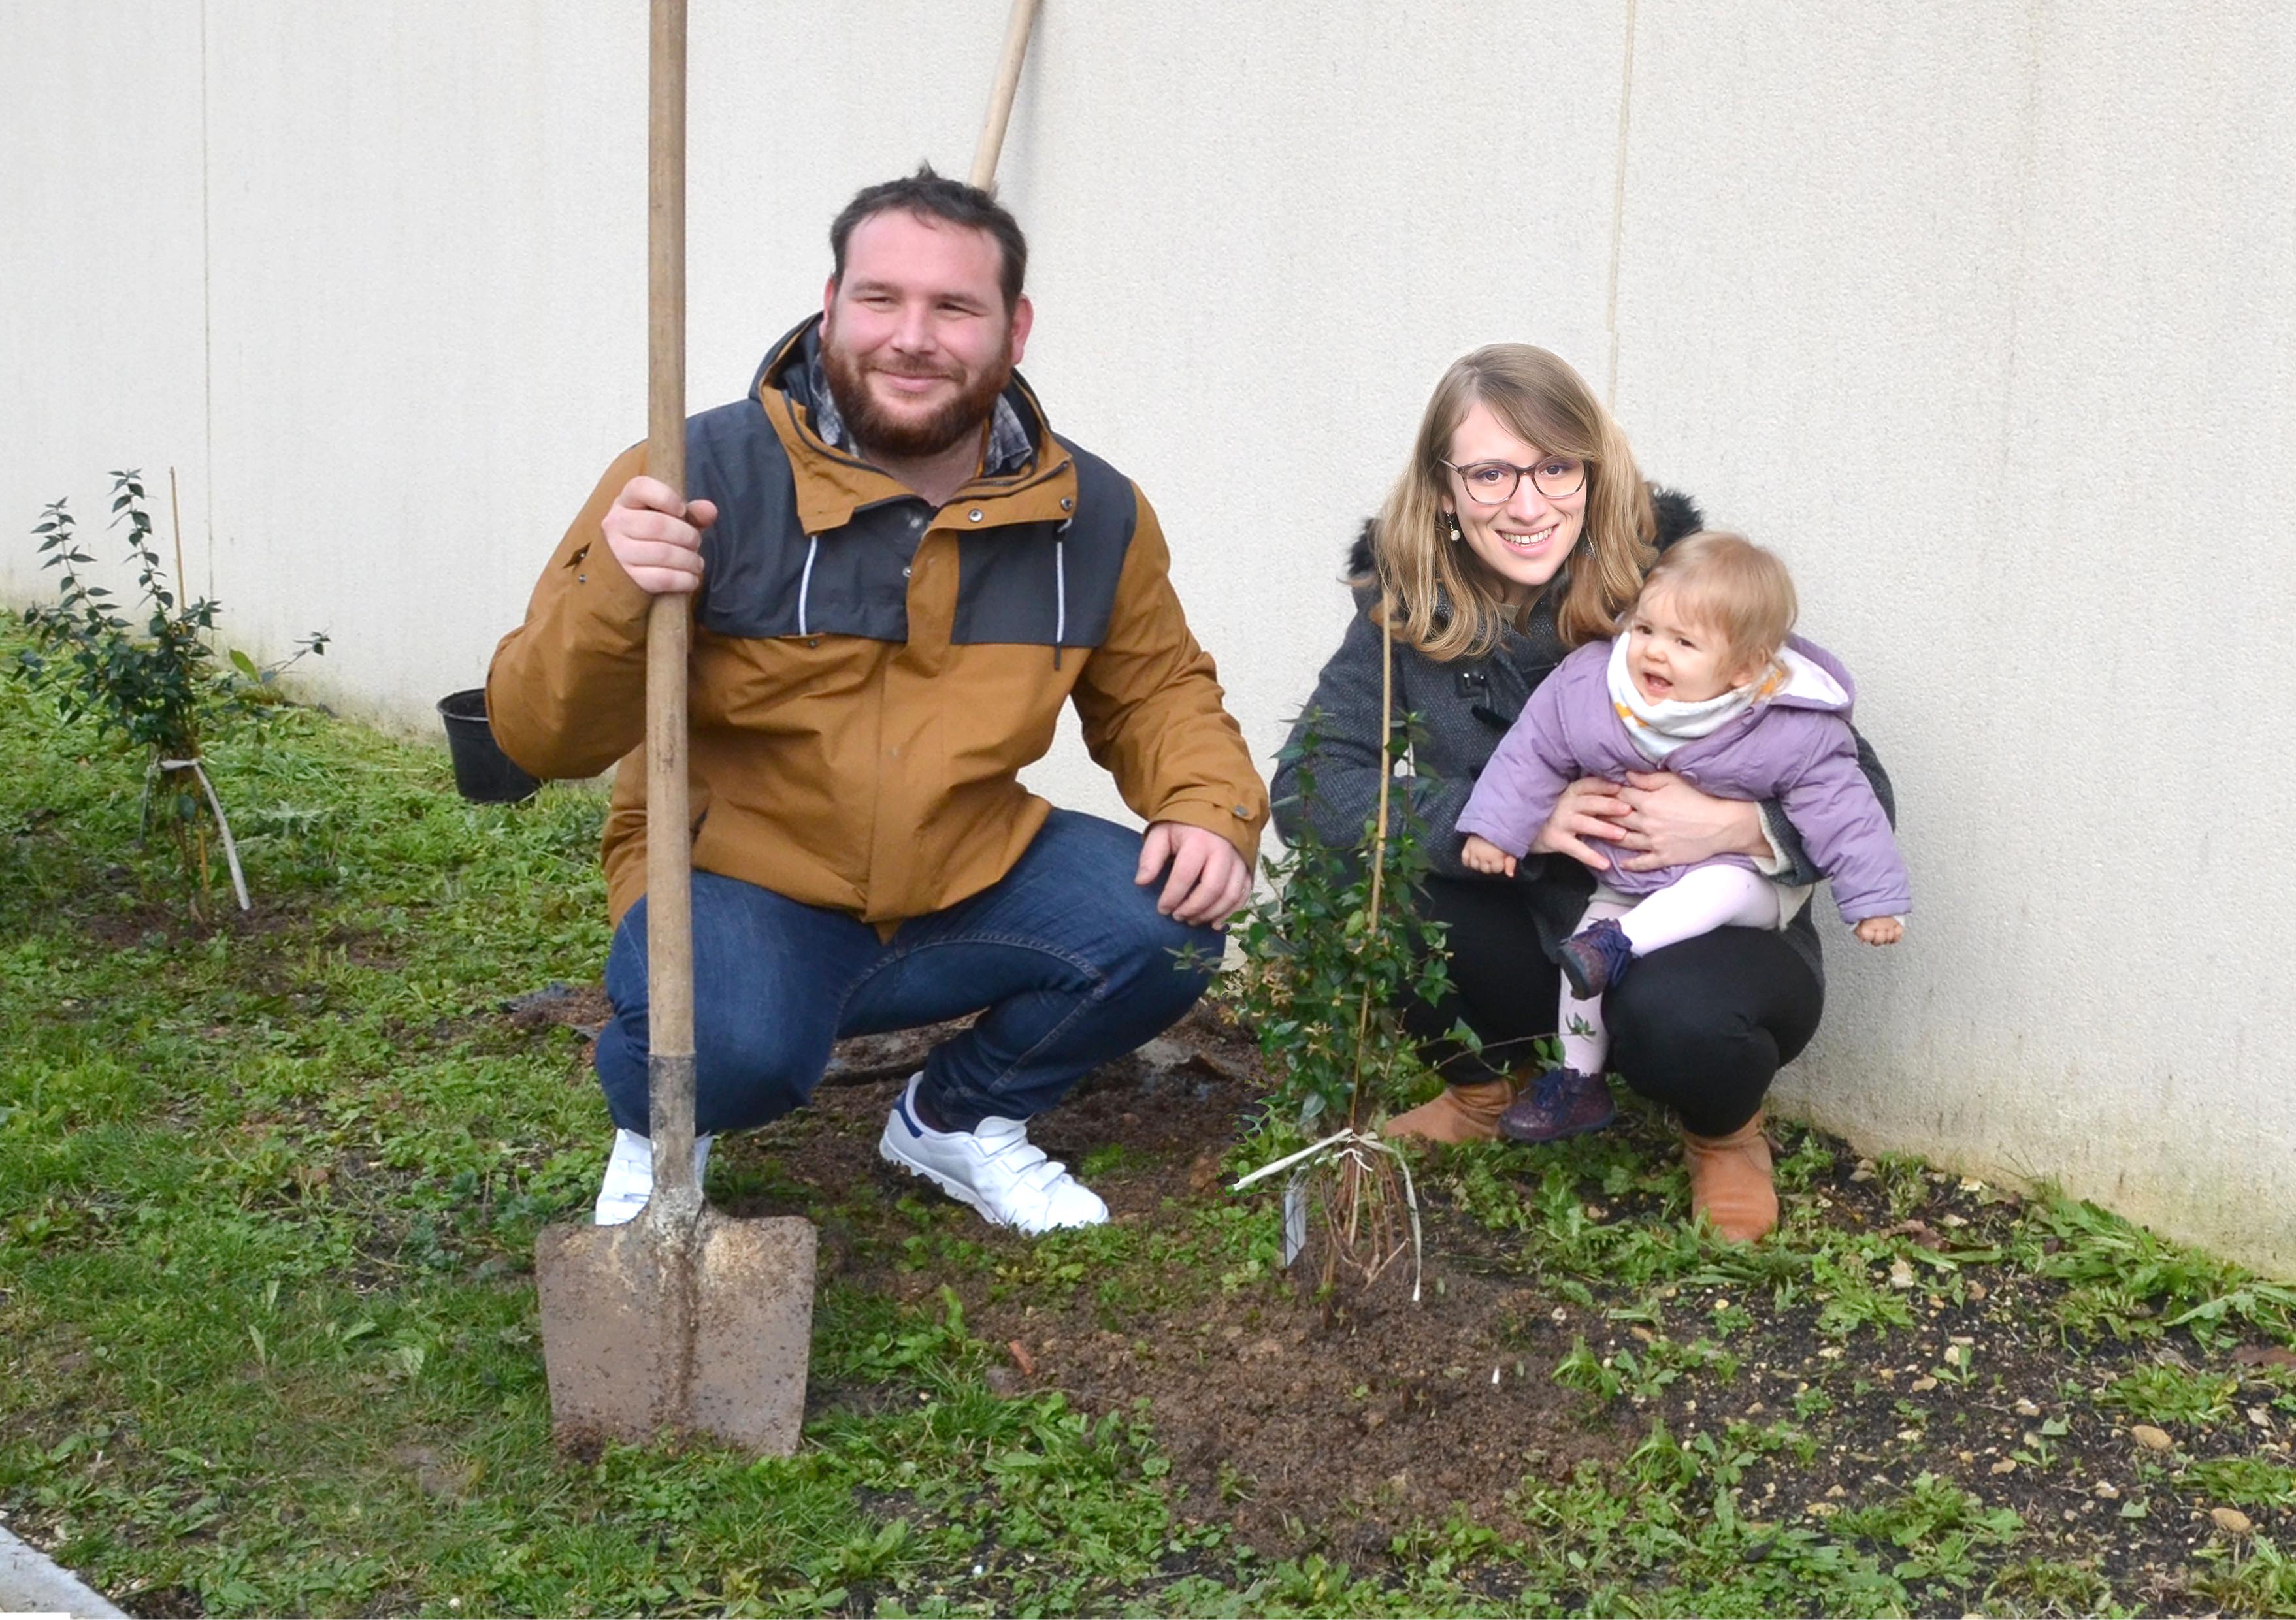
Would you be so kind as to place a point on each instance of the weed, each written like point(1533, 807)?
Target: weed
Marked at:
point(1937, 1527)
point(2241, 1482)
point(2041, 1586)
point(2132, 1284)
point(2251, 1578)
point(2171, 1394)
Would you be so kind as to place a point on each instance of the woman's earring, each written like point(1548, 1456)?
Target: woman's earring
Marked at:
point(1452, 517)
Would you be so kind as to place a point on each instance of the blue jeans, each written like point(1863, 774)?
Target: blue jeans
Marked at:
point(1065, 958)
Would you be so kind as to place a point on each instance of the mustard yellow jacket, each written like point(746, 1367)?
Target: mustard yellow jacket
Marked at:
point(869, 673)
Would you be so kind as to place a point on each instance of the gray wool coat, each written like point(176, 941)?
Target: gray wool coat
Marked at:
point(1459, 711)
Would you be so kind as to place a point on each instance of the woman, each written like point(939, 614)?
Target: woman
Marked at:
point(1520, 530)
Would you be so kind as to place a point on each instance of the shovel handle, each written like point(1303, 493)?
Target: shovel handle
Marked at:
point(1016, 24)
point(669, 914)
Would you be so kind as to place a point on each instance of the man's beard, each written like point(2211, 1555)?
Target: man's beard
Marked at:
point(874, 429)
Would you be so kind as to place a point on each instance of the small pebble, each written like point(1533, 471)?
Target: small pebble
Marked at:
point(2151, 1438)
point(2026, 1409)
point(2232, 1521)
point(2007, 1465)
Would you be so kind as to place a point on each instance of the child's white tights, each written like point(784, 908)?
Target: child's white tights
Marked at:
point(1703, 899)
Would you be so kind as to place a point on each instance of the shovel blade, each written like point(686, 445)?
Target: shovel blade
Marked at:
point(709, 1335)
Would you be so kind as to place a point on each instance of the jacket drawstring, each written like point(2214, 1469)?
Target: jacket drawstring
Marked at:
point(805, 580)
point(1060, 587)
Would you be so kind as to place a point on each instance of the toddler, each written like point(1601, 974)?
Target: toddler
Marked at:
point(1705, 683)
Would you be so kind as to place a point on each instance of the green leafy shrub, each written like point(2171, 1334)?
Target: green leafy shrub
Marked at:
point(1331, 952)
point(163, 690)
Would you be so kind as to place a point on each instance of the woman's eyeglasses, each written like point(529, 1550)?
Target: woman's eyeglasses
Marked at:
point(1488, 483)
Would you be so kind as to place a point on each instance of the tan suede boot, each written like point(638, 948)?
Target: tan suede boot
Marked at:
point(1463, 1113)
point(1730, 1182)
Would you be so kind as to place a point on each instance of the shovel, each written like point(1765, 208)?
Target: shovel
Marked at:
point(681, 1318)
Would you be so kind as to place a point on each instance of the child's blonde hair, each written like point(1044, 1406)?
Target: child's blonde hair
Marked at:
point(1731, 587)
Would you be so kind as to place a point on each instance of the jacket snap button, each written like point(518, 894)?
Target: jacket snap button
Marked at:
point(1066, 503)
point(974, 515)
point(905, 571)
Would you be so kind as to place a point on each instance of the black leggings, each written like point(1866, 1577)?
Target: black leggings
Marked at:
point(1700, 1027)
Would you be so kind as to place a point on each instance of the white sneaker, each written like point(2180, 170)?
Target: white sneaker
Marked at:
point(993, 1168)
point(629, 1176)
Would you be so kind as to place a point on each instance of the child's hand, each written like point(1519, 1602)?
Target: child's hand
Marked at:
point(1480, 854)
point(1880, 930)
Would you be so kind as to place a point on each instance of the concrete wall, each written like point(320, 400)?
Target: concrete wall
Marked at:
point(1984, 315)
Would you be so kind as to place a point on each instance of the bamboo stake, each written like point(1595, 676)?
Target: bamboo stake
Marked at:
point(1378, 847)
point(176, 517)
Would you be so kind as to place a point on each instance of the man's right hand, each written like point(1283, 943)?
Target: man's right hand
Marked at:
point(656, 538)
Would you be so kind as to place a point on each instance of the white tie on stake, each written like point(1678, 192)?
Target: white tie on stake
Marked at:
point(230, 849)
point(1350, 1144)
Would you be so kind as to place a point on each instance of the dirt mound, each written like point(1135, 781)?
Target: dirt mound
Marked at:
point(1303, 1424)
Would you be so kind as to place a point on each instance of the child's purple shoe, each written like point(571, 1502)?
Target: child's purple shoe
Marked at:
point(1561, 1103)
point(1595, 958)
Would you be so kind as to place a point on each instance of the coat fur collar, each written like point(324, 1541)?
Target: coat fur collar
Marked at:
point(1677, 516)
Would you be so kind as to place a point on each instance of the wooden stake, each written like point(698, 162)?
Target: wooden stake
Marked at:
point(1000, 101)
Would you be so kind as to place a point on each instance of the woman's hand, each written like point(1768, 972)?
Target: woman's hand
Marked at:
point(1669, 822)
point(1589, 808)
point(1480, 854)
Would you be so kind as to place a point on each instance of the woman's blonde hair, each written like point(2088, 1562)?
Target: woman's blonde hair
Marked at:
point(1436, 595)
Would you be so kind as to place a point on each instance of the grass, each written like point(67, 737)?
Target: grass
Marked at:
point(268, 1195)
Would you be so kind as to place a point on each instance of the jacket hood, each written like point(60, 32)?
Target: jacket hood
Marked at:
point(1678, 516)
point(1815, 679)
point(789, 367)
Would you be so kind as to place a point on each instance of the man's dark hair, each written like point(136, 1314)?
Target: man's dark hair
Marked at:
point(931, 196)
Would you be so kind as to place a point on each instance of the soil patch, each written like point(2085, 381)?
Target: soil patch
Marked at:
point(1303, 1427)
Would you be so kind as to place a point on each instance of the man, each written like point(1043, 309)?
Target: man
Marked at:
point(899, 576)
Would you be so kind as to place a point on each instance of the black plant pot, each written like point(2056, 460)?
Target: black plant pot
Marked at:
point(483, 772)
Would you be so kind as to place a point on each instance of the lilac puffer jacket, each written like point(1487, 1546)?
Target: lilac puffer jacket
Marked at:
point(1795, 748)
